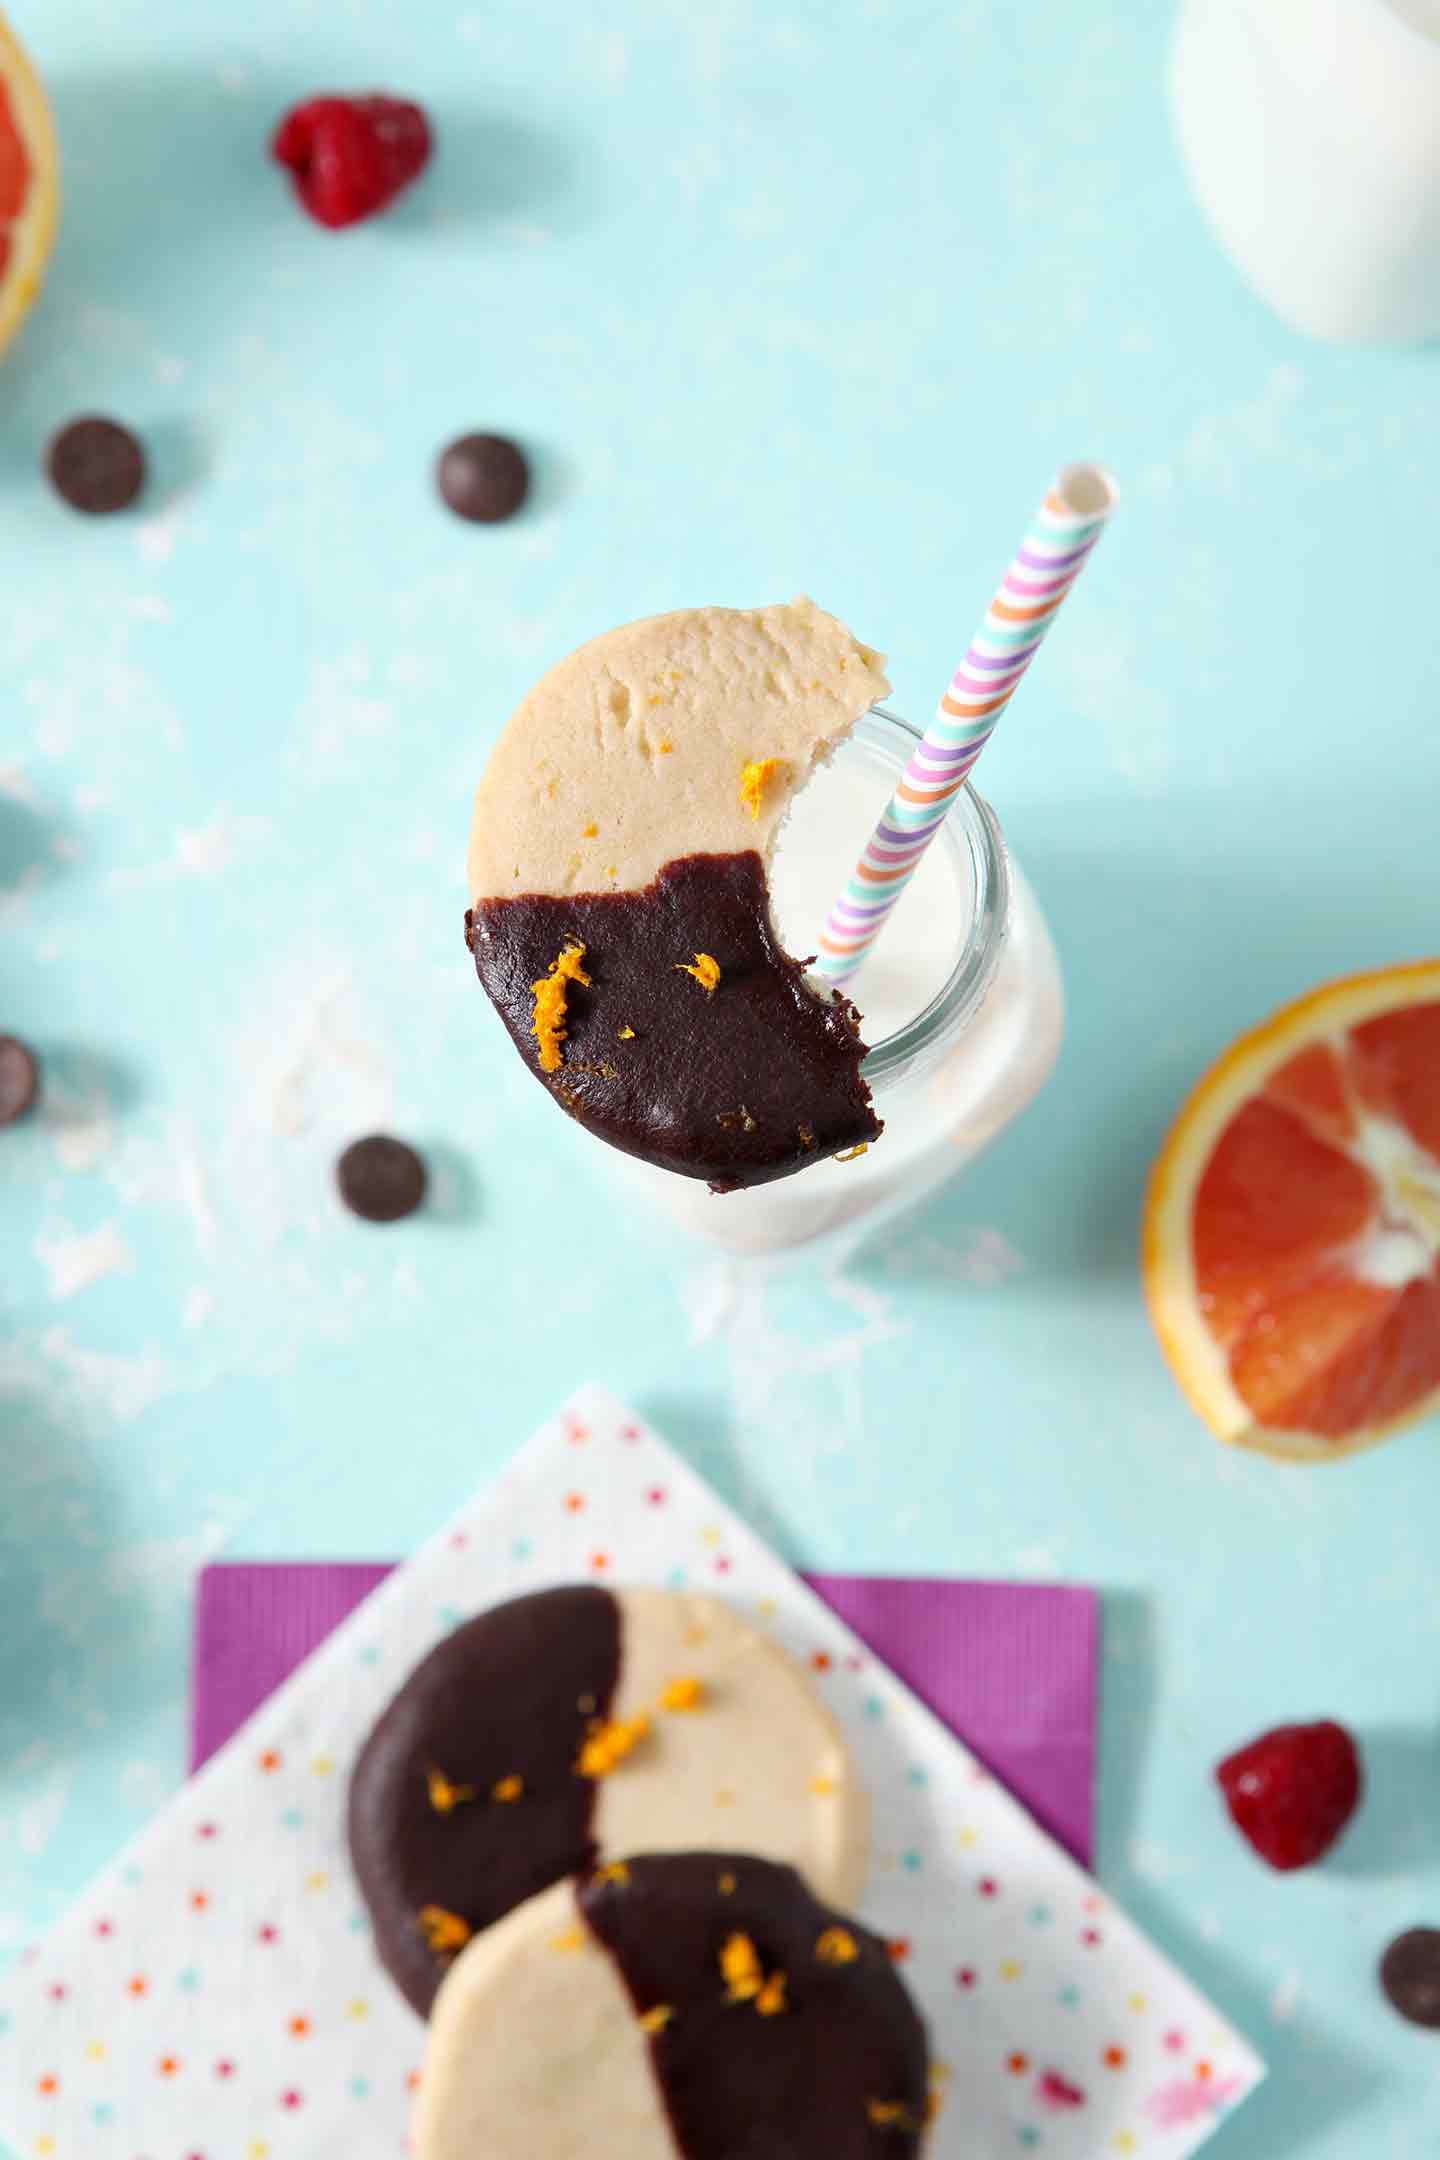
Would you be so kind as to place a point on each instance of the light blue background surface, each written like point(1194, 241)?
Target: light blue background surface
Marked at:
point(784, 296)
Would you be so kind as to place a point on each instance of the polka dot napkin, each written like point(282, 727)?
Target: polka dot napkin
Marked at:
point(215, 1996)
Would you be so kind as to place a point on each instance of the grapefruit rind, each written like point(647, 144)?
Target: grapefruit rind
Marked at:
point(1168, 1261)
point(33, 234)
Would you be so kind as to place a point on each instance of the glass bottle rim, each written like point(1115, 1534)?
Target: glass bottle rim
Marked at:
point(972, 835)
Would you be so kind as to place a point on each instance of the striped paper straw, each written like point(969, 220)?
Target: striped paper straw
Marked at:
point(1052, 555)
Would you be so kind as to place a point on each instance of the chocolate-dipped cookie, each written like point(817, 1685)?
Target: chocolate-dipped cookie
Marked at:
point(620, 908)
point(562, 1729)
point(699, 2005)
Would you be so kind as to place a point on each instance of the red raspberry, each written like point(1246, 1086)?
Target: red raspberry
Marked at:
point(1292, 1791)
point(352, 155)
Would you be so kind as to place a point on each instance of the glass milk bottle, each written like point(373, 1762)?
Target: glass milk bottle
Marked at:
point(960, 1001)
point(1310, 130)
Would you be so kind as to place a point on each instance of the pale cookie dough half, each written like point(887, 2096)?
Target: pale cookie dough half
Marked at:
point(633, 751)
point(574, 1725)
point(535, 2051)
point(692, 2006)
point(620, 904)
point(759, 1765)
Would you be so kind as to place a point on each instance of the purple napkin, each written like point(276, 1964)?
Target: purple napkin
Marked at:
point(1012, 1668)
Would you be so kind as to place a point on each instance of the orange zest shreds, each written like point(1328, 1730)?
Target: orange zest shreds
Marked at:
point(807, 1137)
point(609, 1745)
point(727, 1885)
point(893, 2115)
point(837, 1946)
point(770, 2002)
point(551, 993)
point(444, 1932)
point(614, 1871)
point(665, 746)
point(755, 779)
point(655, 2021)
point(822, 1786)
point(852, 1154)
point(687, 1692)
point(740, 1969)
point(445, 1797)
point(626, 1034)
point(589, 832)
point(705, 971)
point(572, 1939)
point(506, 1789)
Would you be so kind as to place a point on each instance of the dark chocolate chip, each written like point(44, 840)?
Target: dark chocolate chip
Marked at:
point(483, 478)
point(19, 1079)
point(380, 1178)
point(96, 465)
point(1410, 1976)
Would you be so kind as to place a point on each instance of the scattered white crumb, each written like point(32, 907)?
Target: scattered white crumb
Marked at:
point(15, 784)
point(157, 1565)
point(80, 1122)
point(1036, 1563)
point(203, 850)
point(75, 1261)
point(194, 1186)
point(41, 1818)
point(124, 1386)
point(145, 1786)
point(156, 536)
point(15, 896)
point(710, 1294)
point(340, 710)
point(973, 1254)
point(151, 607)
point(1286, 1999)
point(198, 1307)
point(199, 851)
point(56, 732)
point(615, 60)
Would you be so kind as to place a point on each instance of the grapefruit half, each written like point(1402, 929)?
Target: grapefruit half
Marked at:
point(29, 184)
point(1292, 1225)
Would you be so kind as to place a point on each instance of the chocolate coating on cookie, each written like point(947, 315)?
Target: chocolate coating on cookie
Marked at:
point(509, 1696)
point(738, 1084)
point(836, 2068)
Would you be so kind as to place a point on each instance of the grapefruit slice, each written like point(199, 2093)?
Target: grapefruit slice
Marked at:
point(29, 184)
point(1292, 1225)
